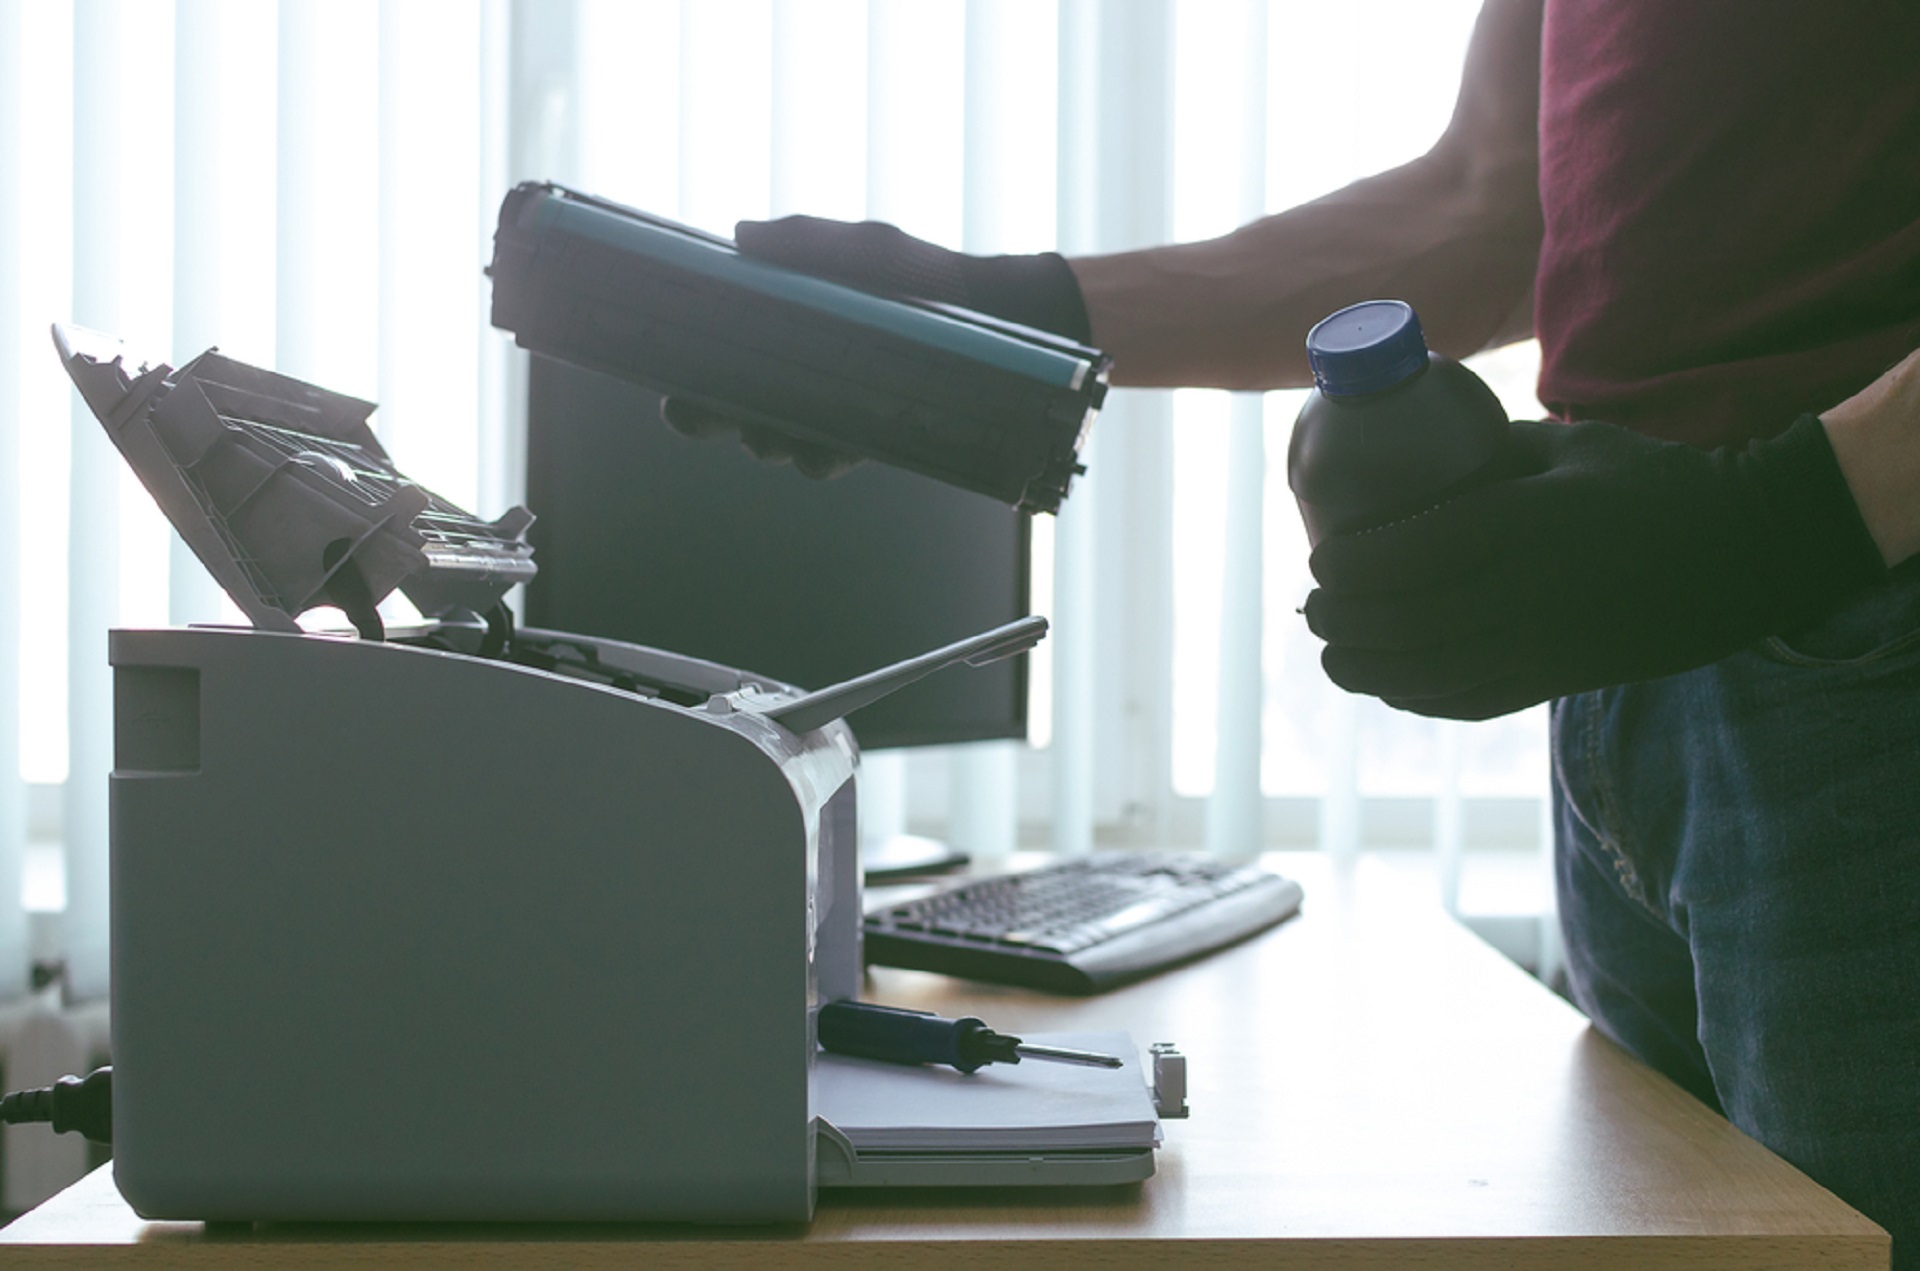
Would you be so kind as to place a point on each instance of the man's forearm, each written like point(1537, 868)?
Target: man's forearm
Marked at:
point(1456, 233)
point(1875, 436)
point(1233, 312)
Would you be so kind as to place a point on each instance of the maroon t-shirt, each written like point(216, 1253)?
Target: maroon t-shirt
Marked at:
point(1732, 199)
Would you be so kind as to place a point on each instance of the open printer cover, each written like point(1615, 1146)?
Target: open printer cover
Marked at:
point(457, 921)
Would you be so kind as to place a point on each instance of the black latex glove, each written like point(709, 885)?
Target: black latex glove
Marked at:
point(691, 419)
point(1615, 558)
point(1037, 291)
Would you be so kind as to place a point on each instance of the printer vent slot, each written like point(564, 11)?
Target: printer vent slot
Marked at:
point(156, 719)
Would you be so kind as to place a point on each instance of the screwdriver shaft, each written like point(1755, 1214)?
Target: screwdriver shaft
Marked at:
point(1062, 1055)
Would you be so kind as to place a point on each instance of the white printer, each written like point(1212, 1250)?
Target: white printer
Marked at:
point(457, 921)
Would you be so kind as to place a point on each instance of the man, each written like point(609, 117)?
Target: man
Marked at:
point(1710, 214)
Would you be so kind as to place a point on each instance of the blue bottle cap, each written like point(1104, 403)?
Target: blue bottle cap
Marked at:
point(1366, 348)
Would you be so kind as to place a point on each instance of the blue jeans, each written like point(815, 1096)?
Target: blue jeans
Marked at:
point(1739, 879)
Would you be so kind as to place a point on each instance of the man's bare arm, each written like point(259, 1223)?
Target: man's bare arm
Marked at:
point(1456, 233)
point(1875, 435)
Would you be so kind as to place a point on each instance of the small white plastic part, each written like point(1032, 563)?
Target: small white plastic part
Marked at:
point(1169, 1080)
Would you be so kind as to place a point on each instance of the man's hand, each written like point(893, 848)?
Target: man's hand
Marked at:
point(690, 419)
point(1036, 291)
point(1614, 558)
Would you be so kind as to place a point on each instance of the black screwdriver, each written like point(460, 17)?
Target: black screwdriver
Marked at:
point(921, 1037)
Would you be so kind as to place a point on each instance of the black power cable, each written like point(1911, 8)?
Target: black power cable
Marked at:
point(71, 1103)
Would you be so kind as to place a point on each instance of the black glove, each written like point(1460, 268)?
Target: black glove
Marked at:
point(690, 419)
point(1035, 291)
point(1613, 558)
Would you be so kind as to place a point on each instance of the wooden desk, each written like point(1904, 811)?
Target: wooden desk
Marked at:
point(1370, 1085)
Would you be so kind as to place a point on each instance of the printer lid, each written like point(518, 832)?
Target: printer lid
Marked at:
point(285, 495)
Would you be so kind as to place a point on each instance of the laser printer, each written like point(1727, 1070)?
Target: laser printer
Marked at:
point(449, 920)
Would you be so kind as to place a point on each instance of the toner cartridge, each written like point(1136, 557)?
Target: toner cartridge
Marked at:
point(967, 399)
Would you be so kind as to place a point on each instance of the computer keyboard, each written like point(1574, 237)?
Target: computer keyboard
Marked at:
point(1082, 925)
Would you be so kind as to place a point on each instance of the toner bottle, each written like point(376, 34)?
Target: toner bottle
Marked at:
point(1391, 429)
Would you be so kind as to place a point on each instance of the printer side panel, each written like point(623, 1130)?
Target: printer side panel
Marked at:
point(401, 934)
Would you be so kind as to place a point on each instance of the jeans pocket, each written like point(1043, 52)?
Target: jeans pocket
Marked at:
point(1880, 625)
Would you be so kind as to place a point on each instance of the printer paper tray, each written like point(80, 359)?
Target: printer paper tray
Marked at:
point(837, 1164)
point(1106, 1133)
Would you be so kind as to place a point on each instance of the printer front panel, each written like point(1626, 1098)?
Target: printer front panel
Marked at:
point(839, 929)
point(413, 935)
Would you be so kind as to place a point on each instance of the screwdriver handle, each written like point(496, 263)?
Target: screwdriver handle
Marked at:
point(910, 1037)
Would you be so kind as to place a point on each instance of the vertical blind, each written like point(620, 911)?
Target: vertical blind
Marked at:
point(311, 186)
